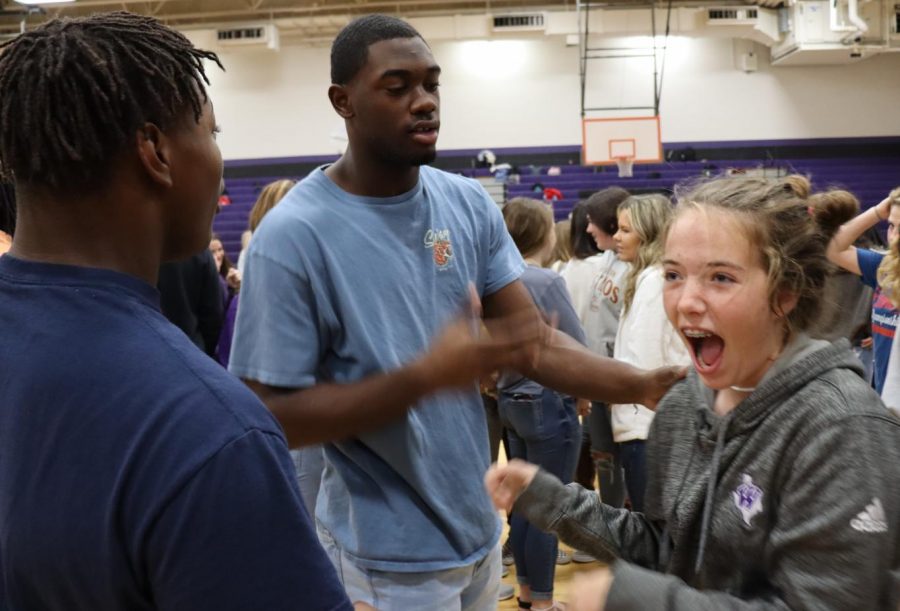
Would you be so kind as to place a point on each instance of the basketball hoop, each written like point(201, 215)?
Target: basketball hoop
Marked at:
point(625, 163)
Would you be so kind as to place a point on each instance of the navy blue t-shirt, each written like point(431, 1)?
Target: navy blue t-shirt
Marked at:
point(135, 473)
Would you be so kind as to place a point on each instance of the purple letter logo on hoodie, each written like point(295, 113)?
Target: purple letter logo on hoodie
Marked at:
point(748, 498)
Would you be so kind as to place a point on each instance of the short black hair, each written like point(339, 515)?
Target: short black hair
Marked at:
point(7, 209)
point(350, 49)
point(73, 92)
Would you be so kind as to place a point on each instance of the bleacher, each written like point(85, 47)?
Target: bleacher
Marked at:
point(869, 178)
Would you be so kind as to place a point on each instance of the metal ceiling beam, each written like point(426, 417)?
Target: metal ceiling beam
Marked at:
point(168, 10)
point(119, 3)
point(326, 9)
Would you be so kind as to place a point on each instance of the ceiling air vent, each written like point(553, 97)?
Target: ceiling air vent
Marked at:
point(731, 16)
point(252, 36)
point(519, 22)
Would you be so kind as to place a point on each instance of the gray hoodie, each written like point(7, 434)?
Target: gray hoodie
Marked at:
point(803, 511)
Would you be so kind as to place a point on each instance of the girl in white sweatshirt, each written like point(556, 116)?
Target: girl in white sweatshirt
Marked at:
point(645, 337)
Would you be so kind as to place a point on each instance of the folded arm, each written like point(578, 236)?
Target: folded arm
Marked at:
point(456, 358)
point(840, 250)
point(331, 412)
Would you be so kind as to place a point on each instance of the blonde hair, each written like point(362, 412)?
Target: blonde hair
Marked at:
point(270, 195)
point(779, 218)
point(529, 222)
point(889, 270)
point(650, 215)
point(563, 249)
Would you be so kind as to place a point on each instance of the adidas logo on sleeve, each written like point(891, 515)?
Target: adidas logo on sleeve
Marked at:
point(871, 519)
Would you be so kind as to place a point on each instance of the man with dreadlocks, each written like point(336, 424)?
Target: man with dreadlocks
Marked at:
point(134, 472)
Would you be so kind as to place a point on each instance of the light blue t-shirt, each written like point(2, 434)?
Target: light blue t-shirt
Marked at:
point(338, 287)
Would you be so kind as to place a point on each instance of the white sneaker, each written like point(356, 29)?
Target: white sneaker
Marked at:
point(582, 557)
point(563, 557)
point(506, 592)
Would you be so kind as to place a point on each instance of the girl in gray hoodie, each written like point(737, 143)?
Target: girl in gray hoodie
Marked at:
point(773, 468)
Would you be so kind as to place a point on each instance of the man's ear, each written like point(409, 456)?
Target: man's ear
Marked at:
point(154, 153)
point(340, 101)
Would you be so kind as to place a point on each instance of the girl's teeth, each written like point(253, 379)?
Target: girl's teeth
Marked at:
point(697, 334)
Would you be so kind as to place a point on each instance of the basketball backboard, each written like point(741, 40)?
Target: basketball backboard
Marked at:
point(607, 139)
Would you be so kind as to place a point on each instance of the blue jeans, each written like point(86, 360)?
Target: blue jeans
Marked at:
point(605, 452)
point(474, 587)
point(542, 429)
point(634, 461)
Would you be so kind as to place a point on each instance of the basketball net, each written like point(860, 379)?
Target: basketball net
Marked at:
point(625, 163)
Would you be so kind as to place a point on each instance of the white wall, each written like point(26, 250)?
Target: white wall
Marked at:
point(526, 93)
point(706, 98)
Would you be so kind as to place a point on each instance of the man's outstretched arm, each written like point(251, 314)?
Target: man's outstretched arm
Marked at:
point(566, 366)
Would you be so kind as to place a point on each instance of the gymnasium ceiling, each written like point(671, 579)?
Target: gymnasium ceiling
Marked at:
point(313, 17)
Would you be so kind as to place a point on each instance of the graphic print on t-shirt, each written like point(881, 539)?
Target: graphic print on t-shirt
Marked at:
point(604, 289)
point(438, 240)
point(884, 316)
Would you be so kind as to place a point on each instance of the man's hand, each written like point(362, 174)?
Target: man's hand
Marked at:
point(461, 353)
point(488, 385)
point(658, 382)
point(583, 407)
point(590, 590)
point(531, 333)
point(506, 483)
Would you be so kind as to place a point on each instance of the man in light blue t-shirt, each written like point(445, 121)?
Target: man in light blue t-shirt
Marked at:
point(358, 328)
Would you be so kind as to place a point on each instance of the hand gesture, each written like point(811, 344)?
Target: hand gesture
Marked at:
point(462, 353)
point(590, 590)
point(658, 382)
point(527, 333)
point(583, 407)
point(506, 483)
point(488, 385)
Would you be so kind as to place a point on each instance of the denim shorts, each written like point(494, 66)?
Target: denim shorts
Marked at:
point(474, 587)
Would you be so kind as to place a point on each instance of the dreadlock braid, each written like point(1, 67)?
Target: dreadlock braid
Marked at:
point(73, 92)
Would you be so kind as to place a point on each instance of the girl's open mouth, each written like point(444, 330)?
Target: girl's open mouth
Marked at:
point(706, 347)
